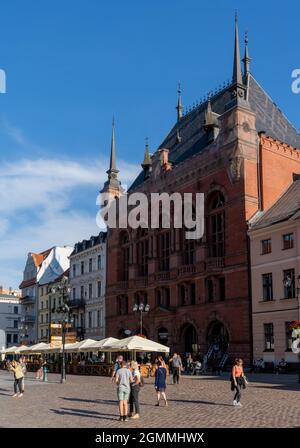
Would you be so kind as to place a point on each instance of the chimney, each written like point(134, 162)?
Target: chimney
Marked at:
point(164, 159)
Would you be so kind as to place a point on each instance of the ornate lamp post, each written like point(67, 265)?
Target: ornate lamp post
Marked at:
point(141, 308)
point(63, 290)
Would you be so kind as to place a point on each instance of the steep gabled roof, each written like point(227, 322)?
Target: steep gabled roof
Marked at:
point(40, 257)
point(287, 207)
point(27, 283)
point(194, 139)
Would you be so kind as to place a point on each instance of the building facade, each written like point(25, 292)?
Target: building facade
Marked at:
point(29, 299)
point(10, 316)
point(53, 266)
point(238, 149)
point(40, 269)
point(275, 272)
point(87, 284)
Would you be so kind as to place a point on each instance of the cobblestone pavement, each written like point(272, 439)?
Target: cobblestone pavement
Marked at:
point(198, 402)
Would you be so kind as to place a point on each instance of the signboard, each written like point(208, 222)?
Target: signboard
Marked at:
point(56, 335)
point(56, 342)
point(70, 337)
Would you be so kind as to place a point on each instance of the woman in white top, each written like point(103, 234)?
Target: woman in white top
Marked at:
point(135, 389)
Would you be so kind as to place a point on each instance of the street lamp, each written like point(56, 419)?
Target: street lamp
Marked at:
point(142, 308)
point(64, 309)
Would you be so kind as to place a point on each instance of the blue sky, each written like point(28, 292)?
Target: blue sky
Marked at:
point(71, 64)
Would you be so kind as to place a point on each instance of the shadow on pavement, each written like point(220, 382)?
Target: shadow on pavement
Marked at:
point(84, 413)
point(200, 402)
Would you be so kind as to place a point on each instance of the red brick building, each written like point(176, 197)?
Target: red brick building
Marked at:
point(241, 151)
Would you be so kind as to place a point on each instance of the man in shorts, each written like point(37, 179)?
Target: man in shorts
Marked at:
point(123, 381)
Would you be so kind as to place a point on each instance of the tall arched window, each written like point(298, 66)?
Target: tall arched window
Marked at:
point(142, 249)
point(122, 304)
point(163, 297)
point(216, 224)
point(163, 245)
point(125, 253)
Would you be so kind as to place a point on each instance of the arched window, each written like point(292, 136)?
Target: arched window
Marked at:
point(141, 297)
point(163, 246)
point(216, 224)
point(122, 304)
point(187, 293)
point(142, 248)
point(163, 297)
point(125, 253)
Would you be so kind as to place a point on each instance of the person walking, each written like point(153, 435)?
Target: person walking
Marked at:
point(160, 382)
point(16, 368)
point(24, 370)
point(176, 368)
point(123, 381)
point(39, 373)
point(135, 389)
point(45, 372)
point(238, 381)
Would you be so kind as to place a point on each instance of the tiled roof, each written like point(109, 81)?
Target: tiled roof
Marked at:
point(87, 244)
point(39, 258)
point(269, 118)
point(27, 283)
point(287, 207)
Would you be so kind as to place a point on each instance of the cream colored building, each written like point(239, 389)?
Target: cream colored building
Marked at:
point(44, 313)
point(275, 272)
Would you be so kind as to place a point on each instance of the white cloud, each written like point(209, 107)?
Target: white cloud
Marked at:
point(36, 206)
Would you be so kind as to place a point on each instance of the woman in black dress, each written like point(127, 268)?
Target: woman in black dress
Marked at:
point(160, 382)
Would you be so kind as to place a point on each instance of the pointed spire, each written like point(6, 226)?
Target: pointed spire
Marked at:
point(237, 72)
point(179, 104)
point(246, 59)
point(147, 158)
point(112, 171)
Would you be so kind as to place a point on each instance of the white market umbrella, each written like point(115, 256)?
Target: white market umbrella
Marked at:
point(98, 345)
point(38, 347)
point(21, 349)
point(10, 350)
point(79, 346)
point(138, 344)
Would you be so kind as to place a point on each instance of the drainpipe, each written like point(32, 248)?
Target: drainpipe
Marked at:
point(259, 172)
point(250, 298)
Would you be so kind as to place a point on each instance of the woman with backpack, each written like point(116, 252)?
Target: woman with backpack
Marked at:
point(238, 381)
point(160, 382)
point(135, 390)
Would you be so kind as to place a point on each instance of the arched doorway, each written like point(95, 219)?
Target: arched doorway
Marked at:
point(217, 334)
point(189, 337)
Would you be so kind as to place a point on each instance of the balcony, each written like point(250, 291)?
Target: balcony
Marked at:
point(28, 300)
point(186, 270)
point(215, 263)
point(162, 276)
point(28, 319)
point(141, 282)
point(76, 303)
point(80, 332)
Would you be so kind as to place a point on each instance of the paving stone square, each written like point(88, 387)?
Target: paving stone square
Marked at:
point(271, 401)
